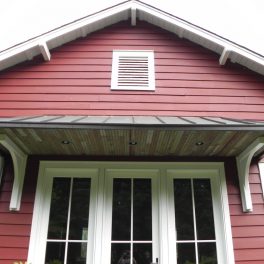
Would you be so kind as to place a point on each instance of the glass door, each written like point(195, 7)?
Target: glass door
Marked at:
point(134, 218)
point(67, 236)
point(194, 222)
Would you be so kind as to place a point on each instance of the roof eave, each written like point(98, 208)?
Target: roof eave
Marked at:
point(124, 11)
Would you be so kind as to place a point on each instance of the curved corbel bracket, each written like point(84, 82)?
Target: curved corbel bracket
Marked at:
point(243, 164)
point(19, 162)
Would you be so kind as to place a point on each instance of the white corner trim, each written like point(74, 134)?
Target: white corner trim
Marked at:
point(45, 51)
point(19, 162)
point(133, 16)
point(1, 167)
point(224, 56)
point(261, 175)
point(243, 164)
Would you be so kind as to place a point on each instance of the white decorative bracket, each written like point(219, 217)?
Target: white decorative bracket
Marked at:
point(224, 56)
point(19, 162)
point(45, 51)
point(243, 164)
point(133, 16)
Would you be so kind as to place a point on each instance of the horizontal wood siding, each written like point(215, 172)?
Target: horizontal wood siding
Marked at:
point(247, 228)
point(189, 80)
point(15, 226)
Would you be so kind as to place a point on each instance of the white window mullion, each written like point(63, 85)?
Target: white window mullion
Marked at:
point(68, 223)
point(194, 225)
point(131, 221)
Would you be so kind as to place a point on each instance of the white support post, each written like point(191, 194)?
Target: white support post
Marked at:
point(224, 56)
point(45, 51)
point(19, 162)
point(243, 164)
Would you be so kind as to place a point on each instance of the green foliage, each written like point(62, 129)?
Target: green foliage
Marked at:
point(55, 261)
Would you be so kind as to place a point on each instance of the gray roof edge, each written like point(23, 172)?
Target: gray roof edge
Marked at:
point(131, 122)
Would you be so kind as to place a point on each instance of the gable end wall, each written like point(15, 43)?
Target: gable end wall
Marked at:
point(189, 80)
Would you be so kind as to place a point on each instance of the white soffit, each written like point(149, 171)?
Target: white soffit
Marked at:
point(131, 10)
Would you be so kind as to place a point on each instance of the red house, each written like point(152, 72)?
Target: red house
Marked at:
point(131, 136)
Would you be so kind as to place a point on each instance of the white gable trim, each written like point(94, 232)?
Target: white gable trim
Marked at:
point(132, 10)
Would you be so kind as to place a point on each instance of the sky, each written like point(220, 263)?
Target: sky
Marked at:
point(241, 21)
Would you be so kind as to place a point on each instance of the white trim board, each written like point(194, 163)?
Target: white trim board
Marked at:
point(98, 171)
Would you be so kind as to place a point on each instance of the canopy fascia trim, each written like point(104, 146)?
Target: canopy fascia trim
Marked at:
point(19, 159)
point(243, 165)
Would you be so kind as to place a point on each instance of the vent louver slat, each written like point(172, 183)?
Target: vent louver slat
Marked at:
point(133, 70)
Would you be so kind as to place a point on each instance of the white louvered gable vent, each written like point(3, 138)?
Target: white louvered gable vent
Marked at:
point(133, 70)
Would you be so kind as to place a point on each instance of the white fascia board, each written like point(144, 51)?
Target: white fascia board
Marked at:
point(243, 164)
point(19, 159)
point(129, 6)
point(185, 26)
point(32, 44)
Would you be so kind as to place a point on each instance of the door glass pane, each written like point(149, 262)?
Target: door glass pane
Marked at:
point(79, 209)
point(132, 222)
point(142, 210)
point(77, 253)
point(120, 253)
point(204, 209)
point(186, 253)
point(183, 209)
point(69, 214)
point(142, 253)
point(59, 208)
point(121, 219)
point(207, 253)
point(55, 252)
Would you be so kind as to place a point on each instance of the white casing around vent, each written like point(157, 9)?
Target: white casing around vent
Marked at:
point(133, 70)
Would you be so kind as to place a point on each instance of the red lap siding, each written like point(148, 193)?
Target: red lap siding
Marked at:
point(15, 226)
point(189, 80)
point(247, 228)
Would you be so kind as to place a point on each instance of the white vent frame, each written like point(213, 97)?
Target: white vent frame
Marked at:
point(148, 84)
